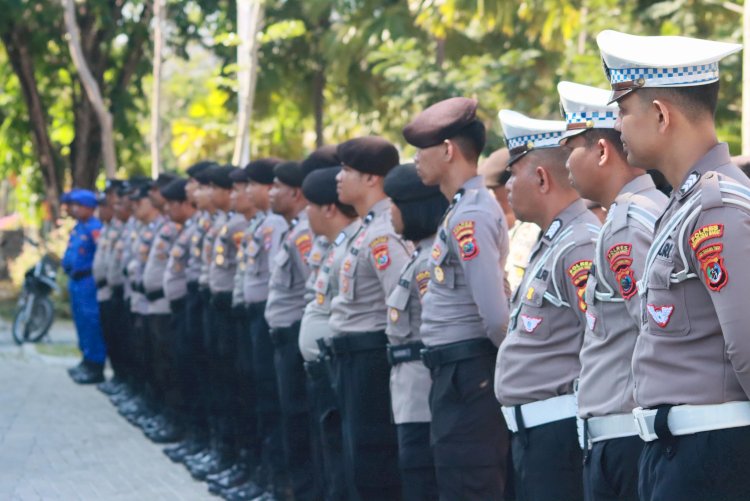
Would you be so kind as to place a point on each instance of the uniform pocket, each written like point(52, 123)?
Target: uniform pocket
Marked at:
point(281, 274)
point(665, 307)
point(347, 277)
point(398, 320)
point(533, 321)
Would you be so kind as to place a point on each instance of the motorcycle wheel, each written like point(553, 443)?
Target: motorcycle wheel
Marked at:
point(38, 323)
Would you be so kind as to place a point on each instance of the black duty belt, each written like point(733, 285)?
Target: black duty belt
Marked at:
point(285, 335)
point(137, 287)
point(100, 284)
point(400, 353)
point(324, 345)
point(77, 275)
point(255, 309)
point(316, 370)
point(177, 305)
point(455, 352)
point(193, 287)
point(154, 295)
point(354, 342)
point(118, 290)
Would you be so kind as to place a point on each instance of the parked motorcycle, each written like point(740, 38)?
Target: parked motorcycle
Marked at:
point(35, 312)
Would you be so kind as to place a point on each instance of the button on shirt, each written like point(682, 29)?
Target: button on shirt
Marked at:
point(694, 346)
point(264, 244)
point(539, 357)
point(613, 313)
point(466, 296)
point(226, 246)
point(369, 271)
point(410, 381)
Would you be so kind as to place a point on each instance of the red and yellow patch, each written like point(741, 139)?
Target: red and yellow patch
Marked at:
point(619, 262)
point(435, 252)
point(423, 278)
point(95, 235)
point(237, 238)
point(706, 233)
point(579, 275)
point(379, 248)
point(712, 265)
point(304, 245)
point(467, 244)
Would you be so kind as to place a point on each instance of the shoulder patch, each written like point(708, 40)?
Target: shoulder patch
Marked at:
point(237, 237)
point(692, 178)
point(712, 265)
point(304, 244)
point(379, 248)
point(706, 233)
point(554, 227)
point(467, 243)
point(423, 278)
point(579, 275)
point(619, 262)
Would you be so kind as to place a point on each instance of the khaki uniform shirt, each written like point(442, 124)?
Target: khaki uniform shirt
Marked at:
point(466, 296)
point(314, 262)
point(410, 381)
point(102, 255)
point(325, 287)
point(539, 357)
point(289, 272)
point(613, 310)
point(523, 237)
point(218, 219)
point(238, 291)
point(195, 259)
point(156, 266)
point(175, 275)
point(226, 247)
point(142, 243)
point(694, 346)
point(265, 243)
point(369, 271)
point(120, 257)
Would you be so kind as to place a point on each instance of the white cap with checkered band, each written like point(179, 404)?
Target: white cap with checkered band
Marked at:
point(523, 134)
point(633, 62)
point(584, 108)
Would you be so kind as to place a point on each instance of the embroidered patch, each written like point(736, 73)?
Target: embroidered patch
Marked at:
point(379, 248)
point(344, 284)
point(619, 262)
point(579, 275)
point(304, 245)
point(661, 314)
point(712, 264)
point(554, 227)
point(267, 237)
point(315, 258)
point(666, 249)
point(530, 293)
point(237, 238)
point(423, 278)
point(618, 251)
point(436, 252)
point(220, 260)
point(393, 315)
point(590, 320)
point(467, 244)
point(95, 234)
point(319, 298)
point(689, 182)
point(530, 323)
point(439, 274)
point(706, 233)
point(347, 265)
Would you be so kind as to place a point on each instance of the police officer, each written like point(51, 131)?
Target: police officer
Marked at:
point(77, 263)
point(416, 211)
point(368, 273)
point(600, 172)
point(337, 223)
point(465, 308)
point(538, 361)
point(690, 361)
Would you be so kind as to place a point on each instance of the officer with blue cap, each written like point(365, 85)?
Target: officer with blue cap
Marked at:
point(77, 263)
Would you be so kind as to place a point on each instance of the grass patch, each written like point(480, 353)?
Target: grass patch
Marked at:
point(58, 350)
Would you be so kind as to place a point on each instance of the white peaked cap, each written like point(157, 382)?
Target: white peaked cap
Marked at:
point(585, 108)
point(523, 134)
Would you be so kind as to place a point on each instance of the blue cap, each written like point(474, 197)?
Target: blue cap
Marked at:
point(86, 198)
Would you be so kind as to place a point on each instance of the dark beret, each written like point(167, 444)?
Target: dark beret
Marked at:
point(323, 157)
point(204, 176)
point(124, 189)
point(175, 190)
point(164, 179)
point(140, 191)
point(199, 167)
point(289, 173)
point(319, 187)
point(441, 121)
point(403, 184)
point(101, 198)
point(239, 175)
point(370, 155)
point(113, 185)
point(137, 179)
point(261, 171)
point(219, 176)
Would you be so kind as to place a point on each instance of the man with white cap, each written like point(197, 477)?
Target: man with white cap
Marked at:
point(600, 173)
point(538, 361)
point(690, 364)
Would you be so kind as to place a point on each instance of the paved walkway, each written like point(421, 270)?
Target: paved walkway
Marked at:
point(62, 441)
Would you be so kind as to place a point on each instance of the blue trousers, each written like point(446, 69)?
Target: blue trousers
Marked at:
point(86, 318)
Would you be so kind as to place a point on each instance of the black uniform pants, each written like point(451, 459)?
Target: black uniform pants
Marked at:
point(418, 481)
point(136, 349)
point(191, 362)
point(267, 404)
point(116, 332)
point(295, 414)
point(548, 462)
point(711, 465)
point(162, 333)
point(370, 444)
point(221, 347)
point(105, 320)
point(245, 393)
point(178, 328)
point(468, 433)
point(610, 471)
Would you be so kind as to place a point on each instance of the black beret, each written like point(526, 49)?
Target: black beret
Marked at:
point(403, 184)
point(325, 156)
point(113, 185)
point(261, 171)
point(124, 189)
point(441, 121)
point(219, 176)
point(199, 167)
point(137, 179)
point(140, 191)
point(289, 173)
point(175, 190)
point(370, 155)
point(101, 197)
point(239, 175)
point(164, 179)
point(319, 187)
point(204, 176)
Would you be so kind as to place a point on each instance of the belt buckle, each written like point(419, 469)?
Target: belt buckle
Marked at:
point(641, 423)
point(510, 418)
point(426, 357)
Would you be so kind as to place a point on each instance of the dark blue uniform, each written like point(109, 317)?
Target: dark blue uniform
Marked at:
point(77, 262)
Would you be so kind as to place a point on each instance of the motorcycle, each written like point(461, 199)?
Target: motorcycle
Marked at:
point(35, 312)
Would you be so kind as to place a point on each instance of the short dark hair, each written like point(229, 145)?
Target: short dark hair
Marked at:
point(346, 210)
point(471, 140)
point(422, 217)
point(612, 136)
point(694, 101)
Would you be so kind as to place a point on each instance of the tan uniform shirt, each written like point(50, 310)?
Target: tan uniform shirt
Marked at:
point(195, 259)
point(238, 291)
point(523, 236)
point(156, 266)
point(613, 310)
point(694, 346)
point(314, 262)
point(410, 381)
point(539, 357)
point(226, 247)
point(466, 296)
point(289, 272)
point(102, 255)
point(218, 219)
point(120, 257)
point(265, 243)
point(325, 287)
point(369, 271)
point(175, 275)
point(141, 247)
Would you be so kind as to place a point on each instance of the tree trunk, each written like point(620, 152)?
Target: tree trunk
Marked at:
point(92, 88)
point(156, 86)
point(319, 85)
point(249, 21)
